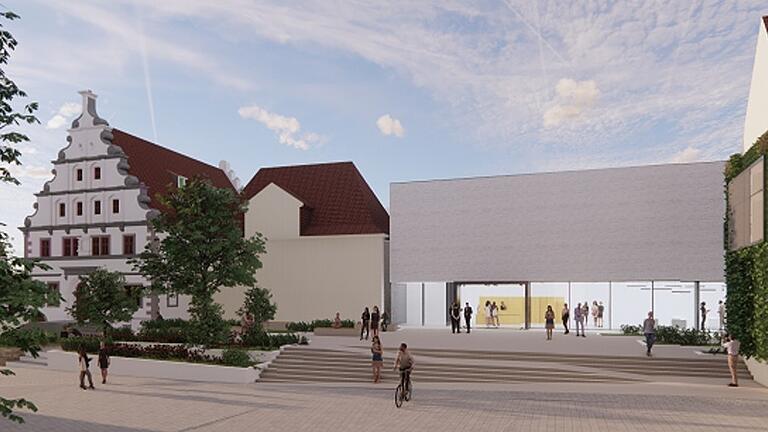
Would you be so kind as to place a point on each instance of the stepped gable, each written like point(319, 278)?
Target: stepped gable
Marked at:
point(158, 167)
point(337, 200)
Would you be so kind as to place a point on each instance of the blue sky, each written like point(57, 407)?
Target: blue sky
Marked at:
point(406, 90)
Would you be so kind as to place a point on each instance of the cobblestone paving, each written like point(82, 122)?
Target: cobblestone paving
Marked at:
point(136, 404)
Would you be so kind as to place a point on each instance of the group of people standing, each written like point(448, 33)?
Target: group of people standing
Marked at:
point(455, 312)
point(371, 320)
point(581, 315)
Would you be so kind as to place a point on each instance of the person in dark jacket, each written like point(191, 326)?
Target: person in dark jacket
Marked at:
point(384, 321)
point(455, 313)
point(375, 316)
point(365, 318)
point(104, 362)
point(468, 316)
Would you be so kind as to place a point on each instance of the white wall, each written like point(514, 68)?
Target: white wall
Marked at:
point(756, 120)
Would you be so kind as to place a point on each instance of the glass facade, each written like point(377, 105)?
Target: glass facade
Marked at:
point(674, 303)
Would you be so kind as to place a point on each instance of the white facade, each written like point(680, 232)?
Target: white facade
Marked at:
point(310, 277)
point(92, 214)
point(756, 120)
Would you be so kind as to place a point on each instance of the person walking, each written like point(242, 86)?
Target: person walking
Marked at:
point(721, 314)
point(375, 317)
point(104, 361)
point(487, 313)
point(703, 310)
point(600, 314)
point(83, 360)
point(578, 317)
point(585, 315)
point(565, 315)
point(366, 319)
point(649, 330)
point(468, 316)
point(494, 315)
point(732, 346)
point(377, 358)
point(455, 313)
point(549, 320)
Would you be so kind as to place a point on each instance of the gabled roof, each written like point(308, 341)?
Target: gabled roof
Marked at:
point(337, 200)
point(159, 167)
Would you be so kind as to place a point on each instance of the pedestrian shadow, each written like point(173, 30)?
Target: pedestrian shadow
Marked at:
point(38, 422)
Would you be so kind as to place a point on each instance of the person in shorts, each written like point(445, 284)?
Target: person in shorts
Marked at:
point(732, 346)
point(404, 362)
point(377, 358)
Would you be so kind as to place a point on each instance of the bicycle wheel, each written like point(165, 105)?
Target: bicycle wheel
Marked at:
point(399, 396)
point(408, 392)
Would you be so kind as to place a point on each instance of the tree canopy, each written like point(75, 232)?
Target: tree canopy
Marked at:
point(200, 250)
point(101, 298)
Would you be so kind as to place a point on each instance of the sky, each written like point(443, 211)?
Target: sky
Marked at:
point(406, 90)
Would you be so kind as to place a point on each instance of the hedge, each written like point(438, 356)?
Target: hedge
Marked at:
point(230, 357)
point(746, 271)
point(747, 302)
point(321, 323)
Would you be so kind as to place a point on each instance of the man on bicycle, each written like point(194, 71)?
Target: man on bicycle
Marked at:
point(404, 361)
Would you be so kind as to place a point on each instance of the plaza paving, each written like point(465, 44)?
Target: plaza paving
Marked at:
point(136, 404)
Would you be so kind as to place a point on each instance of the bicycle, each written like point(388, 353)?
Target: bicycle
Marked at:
point(404, 390)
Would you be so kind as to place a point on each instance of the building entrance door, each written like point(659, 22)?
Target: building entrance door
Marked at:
point(511, 304)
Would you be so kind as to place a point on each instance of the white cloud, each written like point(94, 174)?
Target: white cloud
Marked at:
point(287, 129)
point(31, 171)
point(573, 99)
point(62, 116)
point(389, 125)
point(689, 154)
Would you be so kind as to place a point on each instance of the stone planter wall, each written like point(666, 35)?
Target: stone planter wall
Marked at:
point(146, 368)
point(759, 371)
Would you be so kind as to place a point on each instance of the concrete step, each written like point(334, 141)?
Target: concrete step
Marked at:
point(642, 365)
point(308, 364)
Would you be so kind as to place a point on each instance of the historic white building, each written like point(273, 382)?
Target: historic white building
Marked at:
point(94, 213)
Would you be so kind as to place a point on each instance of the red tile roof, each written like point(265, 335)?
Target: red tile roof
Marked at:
point(337, 200)
point(158, 167)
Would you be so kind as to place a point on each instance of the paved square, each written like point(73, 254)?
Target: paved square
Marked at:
point(135, 404)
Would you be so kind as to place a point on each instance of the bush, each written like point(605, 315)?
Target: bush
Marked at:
point(90, 343)
point(165, 331)
point(631, 330)
point(677, 336)
point(163, 352)
point(303, 326)
point(123, 334)
point(236, 357)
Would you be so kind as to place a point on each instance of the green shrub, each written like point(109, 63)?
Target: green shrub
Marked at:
point(236, 357)
point(123, 334)
point(671, 335)
point(165, 331)
point(90, 343)
point(303, 326)
point(631, 330)
point(278, 340)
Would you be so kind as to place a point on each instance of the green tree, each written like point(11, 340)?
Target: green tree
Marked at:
point(21, 297)
point(257, 309)
point(201, 251)
point(102, 299)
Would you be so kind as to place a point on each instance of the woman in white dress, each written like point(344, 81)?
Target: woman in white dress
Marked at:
point(487, 313)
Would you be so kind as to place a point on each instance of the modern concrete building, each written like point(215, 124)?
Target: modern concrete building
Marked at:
point(95, 212)
point(634, 239)
point(756, 119)
point(327, 241)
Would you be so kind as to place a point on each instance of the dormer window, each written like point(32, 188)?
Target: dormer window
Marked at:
point(97, 173)
point(181, 181)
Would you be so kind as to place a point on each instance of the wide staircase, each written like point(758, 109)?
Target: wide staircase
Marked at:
point(312, 365)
